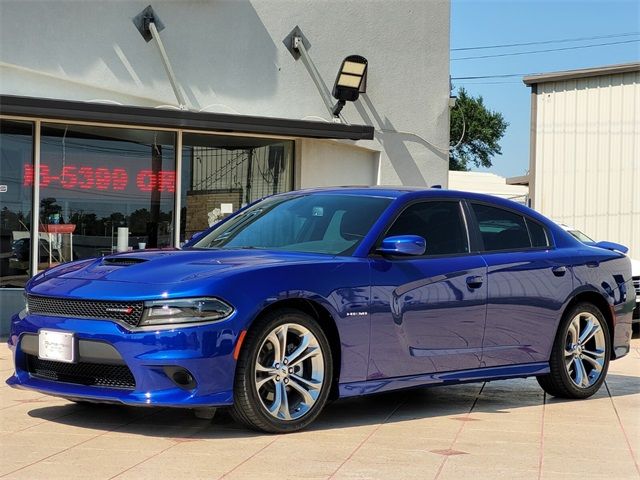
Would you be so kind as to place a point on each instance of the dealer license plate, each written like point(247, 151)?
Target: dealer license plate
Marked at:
point(55, 345)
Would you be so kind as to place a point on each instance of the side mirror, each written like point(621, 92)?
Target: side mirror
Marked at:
point(403, 245)
point(196, 236)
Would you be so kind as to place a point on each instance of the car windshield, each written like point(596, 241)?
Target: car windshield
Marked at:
point(314, 223)
point(580, 236)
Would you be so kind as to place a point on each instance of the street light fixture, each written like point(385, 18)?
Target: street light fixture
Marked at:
point(350, 82)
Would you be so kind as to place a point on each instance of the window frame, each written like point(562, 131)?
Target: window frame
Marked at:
point(178, 130)
point(465, 223)
point(529, 220)
point(475, 225)
point(34, 198)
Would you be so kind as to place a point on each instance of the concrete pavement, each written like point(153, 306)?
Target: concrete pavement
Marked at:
point(506, 429)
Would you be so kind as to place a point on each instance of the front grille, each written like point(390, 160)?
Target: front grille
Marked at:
point(128, 312)
point(94, 374)
point(636, 285)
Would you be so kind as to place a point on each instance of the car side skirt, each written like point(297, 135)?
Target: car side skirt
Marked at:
point(443, 378)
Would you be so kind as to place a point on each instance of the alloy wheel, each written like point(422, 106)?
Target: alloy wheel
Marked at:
point(585, 350)
point(289, 371)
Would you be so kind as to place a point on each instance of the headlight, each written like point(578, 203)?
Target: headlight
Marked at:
point(25, 311)
point(184, 310)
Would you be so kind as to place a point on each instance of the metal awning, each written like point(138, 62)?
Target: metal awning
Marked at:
point(46, 108)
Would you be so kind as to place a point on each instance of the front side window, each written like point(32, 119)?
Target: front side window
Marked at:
point(505, 230)
point(327, 224)
point(440, 223)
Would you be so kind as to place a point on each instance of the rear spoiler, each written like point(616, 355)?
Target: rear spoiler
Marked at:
point(616, 247)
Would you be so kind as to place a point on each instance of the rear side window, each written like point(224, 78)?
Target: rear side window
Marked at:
point(440, 223)
point(501, 229)
point(538, 234)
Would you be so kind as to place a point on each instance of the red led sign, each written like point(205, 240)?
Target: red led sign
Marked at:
point(102, 178)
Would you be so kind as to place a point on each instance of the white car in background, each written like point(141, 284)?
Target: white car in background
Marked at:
point(635, 272)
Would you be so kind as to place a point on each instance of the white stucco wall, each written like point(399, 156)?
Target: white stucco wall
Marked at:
point(229, 57)
point(330, 163)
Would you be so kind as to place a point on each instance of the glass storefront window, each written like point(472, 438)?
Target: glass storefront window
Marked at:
point(96, 181)
point(16, 155)
point(222, 173)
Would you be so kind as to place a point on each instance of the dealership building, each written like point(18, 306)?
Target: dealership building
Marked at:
point(126, 127)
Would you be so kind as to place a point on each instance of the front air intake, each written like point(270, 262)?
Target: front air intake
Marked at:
point(84, 373)
point(122, 261)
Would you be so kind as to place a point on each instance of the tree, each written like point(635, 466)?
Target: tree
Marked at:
point(482, 128)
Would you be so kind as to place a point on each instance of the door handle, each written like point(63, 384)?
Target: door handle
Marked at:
point(474, 281)
point(559, 271)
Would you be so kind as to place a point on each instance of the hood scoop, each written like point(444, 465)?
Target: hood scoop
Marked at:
point(122, 261)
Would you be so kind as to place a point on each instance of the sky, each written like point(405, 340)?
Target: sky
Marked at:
point(477, 23)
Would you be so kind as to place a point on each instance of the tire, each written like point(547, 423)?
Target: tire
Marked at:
point(267, 374)
point(578, 368)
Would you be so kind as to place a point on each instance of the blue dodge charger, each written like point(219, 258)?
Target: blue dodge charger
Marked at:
point(327, 293)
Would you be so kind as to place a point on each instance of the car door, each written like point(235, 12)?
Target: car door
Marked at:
point(528, 282)
point(428, 312)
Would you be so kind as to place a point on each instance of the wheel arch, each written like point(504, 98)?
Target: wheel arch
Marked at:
point(600, 302)
point(325, 320)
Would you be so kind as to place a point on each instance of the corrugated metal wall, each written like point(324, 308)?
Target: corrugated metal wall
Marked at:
point(587, 156)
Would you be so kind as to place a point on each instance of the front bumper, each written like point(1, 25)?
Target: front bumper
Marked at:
point(205, 351)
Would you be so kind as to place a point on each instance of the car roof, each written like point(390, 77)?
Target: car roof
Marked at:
point(407, 194)
point(397, 191)
point(391, 191)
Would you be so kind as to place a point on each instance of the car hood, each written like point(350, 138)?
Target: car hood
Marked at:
point(158, 268)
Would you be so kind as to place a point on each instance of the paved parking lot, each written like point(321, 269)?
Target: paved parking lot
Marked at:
point(503, 429)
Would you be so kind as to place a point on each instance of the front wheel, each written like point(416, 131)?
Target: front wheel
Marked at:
point(580, 356)
point(283, 374)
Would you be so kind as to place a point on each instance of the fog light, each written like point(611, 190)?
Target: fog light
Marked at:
point(181, 377)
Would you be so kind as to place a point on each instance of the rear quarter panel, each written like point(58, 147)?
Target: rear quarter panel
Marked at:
point(608, 273)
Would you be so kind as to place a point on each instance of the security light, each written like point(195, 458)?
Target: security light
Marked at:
point(350, 82)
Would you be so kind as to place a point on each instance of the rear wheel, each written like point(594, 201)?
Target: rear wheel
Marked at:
point(283, 374)
point(580, 356)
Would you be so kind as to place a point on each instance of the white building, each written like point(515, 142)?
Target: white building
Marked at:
point(489, 184)
point(585, 150)
point(87, 99)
